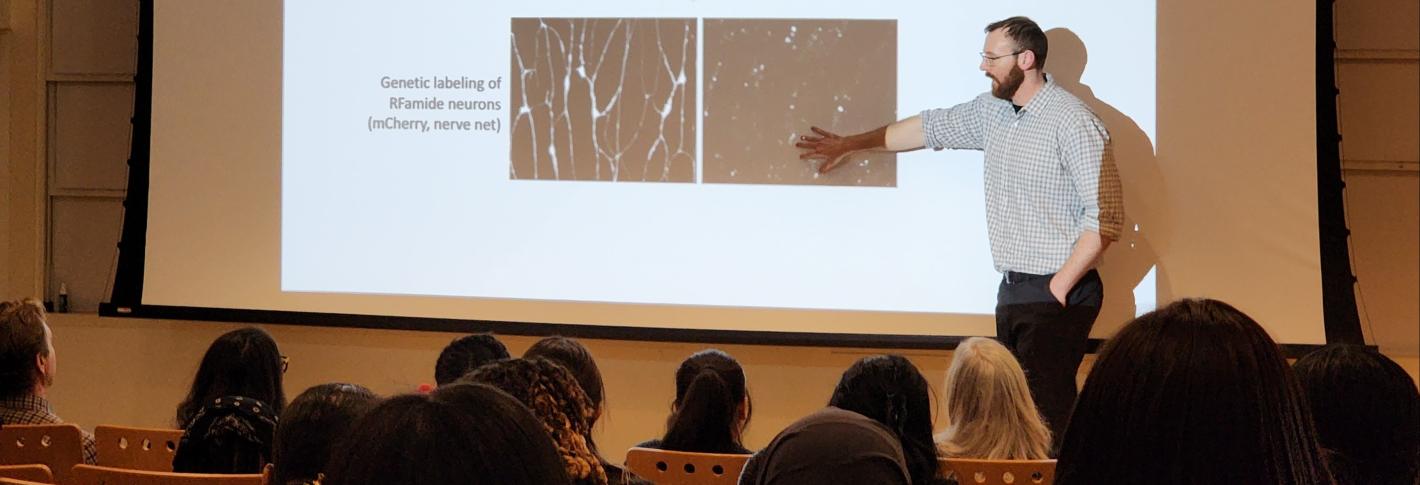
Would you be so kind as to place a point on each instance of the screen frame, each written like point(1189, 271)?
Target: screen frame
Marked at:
point(1340, 316)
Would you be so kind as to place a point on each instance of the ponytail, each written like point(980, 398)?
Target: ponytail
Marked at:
point(709, 390)
point(705, 416)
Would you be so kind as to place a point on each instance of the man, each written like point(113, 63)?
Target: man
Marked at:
point(27, 367)
point(1053, 201)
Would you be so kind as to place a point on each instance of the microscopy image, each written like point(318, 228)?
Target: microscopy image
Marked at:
point(603, 99)
point(767, 81)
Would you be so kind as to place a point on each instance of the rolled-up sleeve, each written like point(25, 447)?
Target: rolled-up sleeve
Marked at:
point(957, 127)
point(1089, 158)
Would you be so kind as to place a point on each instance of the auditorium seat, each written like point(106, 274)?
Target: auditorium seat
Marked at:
point(682, 468)
point(999, 472)
point(102, 475)
point(136, 448)
point(16, 481)
point(57, 446)
point(29, 473)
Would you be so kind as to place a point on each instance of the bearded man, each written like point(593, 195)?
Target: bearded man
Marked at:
point(1053, 201)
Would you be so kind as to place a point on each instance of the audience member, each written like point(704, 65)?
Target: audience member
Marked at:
point(465, 354)
point(990, 412)
point(831, 446)
point(229, 416)
point(460, 434)
point(1367, 415)
point(573, 356)
point(711, 407)
point(891, 391)
point(1195, 392)
point(309, 427)
point(553, 395)
point(28, 364)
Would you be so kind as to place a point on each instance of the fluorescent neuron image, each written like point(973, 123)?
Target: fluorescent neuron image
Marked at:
point(603, 99)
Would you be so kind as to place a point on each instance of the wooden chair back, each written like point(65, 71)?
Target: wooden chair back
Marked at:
point(16, 481)
point(57, 446)
point(137, 448)
point(30, 473)
point(999, 472)
point(102, 475)
point(682, 468)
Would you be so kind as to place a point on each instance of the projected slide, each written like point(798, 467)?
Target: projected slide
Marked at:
point(642, 152)
point(770, 78)
point(603, 99)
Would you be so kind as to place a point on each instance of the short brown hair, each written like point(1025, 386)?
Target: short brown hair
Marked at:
point(21, 339)
point(1027, 36)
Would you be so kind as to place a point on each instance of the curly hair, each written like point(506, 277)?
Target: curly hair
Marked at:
point(552, 394)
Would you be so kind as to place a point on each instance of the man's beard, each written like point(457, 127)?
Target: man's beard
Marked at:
point(1007, 89)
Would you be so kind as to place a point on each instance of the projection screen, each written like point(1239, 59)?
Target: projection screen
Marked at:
point(630, 164)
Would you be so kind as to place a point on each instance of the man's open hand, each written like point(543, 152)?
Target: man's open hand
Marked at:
point(829, 149)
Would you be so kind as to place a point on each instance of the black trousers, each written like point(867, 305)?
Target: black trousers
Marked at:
point(1048, 339)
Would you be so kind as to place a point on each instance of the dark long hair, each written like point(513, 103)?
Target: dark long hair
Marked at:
point(461, 434)
point(573, 356)
point(709, 388)
point(243, 362)
point(1195, 391)
point(311, 425)
point(891, 391)
point(1367, 414)
point(555, 398)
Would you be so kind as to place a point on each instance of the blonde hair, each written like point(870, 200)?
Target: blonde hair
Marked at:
point(990, 411)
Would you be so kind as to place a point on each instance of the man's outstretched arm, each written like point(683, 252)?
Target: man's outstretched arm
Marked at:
point(831, 149)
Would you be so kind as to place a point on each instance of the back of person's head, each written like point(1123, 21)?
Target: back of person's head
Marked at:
point(891, 391)
point(1193, 392)
point(575, 357)
point(461, 434)
point(990, 412)
point(1027, 36)
point(243, 362)
point(554, 397)
point(828, 447)
point(711, 405)
point(1367, 414)
point(24, 341)
point(465, 354)
point(311, 425)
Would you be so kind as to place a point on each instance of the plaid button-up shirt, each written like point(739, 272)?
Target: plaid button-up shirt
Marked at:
point(32, 409)
point(1050, 174)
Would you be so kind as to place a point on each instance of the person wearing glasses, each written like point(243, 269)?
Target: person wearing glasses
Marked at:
point(1053, 201)
point(229, 416)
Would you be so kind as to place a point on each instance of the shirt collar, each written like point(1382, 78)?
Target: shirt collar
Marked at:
point(1043, 97)
point(27, 402)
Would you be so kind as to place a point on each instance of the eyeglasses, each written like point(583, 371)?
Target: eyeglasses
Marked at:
point(285, 363)
point(990, 58)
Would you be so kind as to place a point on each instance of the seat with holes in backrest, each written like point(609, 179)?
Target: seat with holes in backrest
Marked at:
point(29, 473)
point(999, 472)
point(58, 446)
point(137, 448)
point(682, 468)
point(102, 475)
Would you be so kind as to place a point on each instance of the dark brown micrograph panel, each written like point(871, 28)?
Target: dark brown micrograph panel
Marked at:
point(768, 81)
point(603, 99)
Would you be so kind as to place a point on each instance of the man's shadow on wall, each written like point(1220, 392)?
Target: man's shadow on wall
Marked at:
point(1127, 261)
